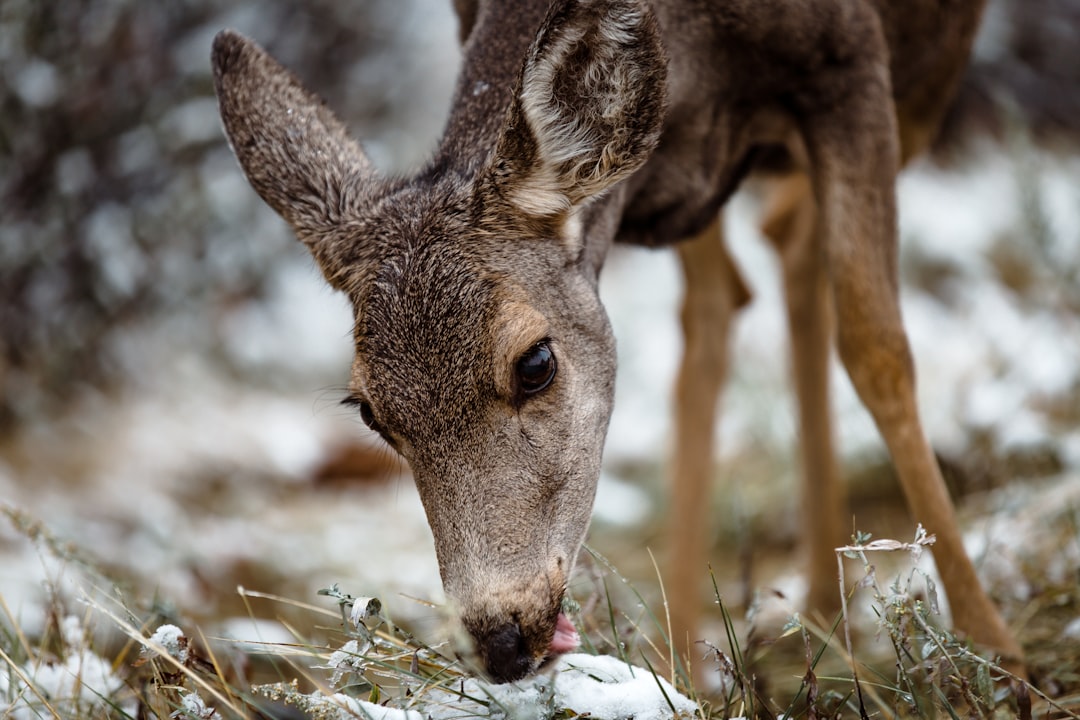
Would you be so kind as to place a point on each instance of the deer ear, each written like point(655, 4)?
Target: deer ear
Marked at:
point(589, 106)
point(295, 153)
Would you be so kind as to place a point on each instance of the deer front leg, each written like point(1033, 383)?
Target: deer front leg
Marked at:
point(713, 291)
point(792, 225)
point(853, 148)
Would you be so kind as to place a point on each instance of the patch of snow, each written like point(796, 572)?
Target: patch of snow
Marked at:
point(991, 401)
point(137, 150)
point(596, 686)
point(648, 347)
point(82, 685)
point(193, 706)
point(110, 236)
point(349, 708)
point(304, 328)
point(1070, 450)
point(619, 502)
point(1032, 525)
point(954, 216)
point(72, 632)
point(600, 687)
point(173, 641)
point(606, 687)
point(254, 635)
point(74, 171)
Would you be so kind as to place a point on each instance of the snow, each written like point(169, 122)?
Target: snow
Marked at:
point(80, 685)
point(1033, 526)
point(606, 687)
point(255, 635)
point(350, 708)
point(173, 641)
point(620, 503)
point(596, 686)
point(320, 318)
point(194, 707)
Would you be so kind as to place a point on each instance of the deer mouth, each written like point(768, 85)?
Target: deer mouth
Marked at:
point(566, 638)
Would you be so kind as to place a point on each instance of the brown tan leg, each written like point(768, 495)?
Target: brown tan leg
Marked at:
point(792, 226)
point(713, 291)
point(854, 156)
point(874, 349)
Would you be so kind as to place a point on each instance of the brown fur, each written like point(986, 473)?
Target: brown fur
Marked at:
point(573, 126)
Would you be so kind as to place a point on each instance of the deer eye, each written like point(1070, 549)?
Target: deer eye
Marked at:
point(364, 408)
point(536, 368)
point(366, 415)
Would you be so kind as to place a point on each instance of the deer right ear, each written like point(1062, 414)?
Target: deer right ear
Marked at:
point(295, 153)
point(589, 107)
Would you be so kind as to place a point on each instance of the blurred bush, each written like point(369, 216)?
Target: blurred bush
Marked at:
point(121, 208)
point(1024, 75)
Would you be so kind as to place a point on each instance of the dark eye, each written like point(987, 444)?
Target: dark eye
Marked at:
point(363, 408)
point(366, 415)
point(536, 368)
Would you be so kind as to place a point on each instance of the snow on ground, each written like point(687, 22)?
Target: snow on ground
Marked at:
point(208, 486)
point(593, 686)
point(82, 684)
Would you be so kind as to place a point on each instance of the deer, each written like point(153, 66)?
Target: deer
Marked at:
point(483, 354)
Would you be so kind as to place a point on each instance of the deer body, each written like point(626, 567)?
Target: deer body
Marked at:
point(483, 353)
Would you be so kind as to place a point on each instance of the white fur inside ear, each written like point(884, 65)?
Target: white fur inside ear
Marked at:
point(575, 159)
point(573, 232)
point(540, 194)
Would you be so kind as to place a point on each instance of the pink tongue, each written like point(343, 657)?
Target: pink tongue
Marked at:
point(566, 638)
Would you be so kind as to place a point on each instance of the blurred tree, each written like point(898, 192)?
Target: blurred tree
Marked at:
point(121, 206)
point(1025, 75)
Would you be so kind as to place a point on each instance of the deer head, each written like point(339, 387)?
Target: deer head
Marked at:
point(483, 354)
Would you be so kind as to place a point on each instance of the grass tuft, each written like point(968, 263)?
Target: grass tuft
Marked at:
point(104, 653)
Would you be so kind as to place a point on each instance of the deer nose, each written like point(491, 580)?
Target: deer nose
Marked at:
point(506, 654)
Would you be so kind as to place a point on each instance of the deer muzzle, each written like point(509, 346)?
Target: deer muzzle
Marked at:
point(510, 650)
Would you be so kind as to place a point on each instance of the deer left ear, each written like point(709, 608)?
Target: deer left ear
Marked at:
point(588, 109)
point(295, 152)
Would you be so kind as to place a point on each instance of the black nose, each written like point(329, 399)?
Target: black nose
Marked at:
point(506, 654)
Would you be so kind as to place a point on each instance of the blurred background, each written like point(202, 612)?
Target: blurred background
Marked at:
point(171, 362)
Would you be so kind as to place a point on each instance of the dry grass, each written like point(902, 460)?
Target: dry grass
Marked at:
point(106, 652)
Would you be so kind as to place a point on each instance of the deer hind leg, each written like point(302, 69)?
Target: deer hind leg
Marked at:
point(792, 225)
point(713, 291)
point(854, 154)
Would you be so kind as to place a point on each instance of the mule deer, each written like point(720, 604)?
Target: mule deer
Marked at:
point(483, 354)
